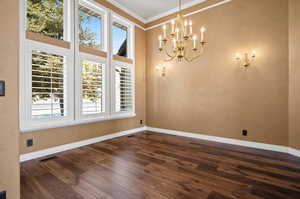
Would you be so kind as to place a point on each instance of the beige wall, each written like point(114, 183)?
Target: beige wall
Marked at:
point(54, 137)
point(214, 95)
point(294, 73)
point(9, 39)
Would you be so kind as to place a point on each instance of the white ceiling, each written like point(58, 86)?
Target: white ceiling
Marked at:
point(148, 10)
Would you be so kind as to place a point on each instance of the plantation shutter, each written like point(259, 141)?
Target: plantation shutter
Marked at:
point(48, 85)
point(92, 95)
point(123, 88)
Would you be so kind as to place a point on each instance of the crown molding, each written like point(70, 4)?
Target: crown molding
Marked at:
point(130, 12)
point(191, 13)
point(150, 19)
point(174, 10)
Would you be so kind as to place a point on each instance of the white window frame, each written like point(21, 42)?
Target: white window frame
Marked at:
point(98, 116)
point(130, 55)
point(28, 122)
point(97, 8)
point(73, 67)
point(114, 113)
point(130, 34)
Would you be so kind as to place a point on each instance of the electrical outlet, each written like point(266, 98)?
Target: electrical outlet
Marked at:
point(29, 143)
point(244, 132)
point(2, 88)
point(141, 121)
point(3, 195)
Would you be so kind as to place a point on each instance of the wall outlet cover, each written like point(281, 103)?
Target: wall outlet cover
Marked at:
point(2, 88)
point(3, 195)
point(29, 142)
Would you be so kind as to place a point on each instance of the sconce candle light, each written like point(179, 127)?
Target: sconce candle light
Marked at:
point(161, 69)
point(246, 61)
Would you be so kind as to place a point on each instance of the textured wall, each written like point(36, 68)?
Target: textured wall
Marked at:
point(214, 95)
point(294, 73)
point(9, 132)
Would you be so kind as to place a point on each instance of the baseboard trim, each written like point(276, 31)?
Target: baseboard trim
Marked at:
point(57, 149)
point(255, 145)
point(294, 152)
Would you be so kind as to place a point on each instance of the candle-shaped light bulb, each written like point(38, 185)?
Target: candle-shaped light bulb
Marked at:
point(174, 43)
point(173, 25)
point(253, 53)
point(237, 56)
point(195, 43)
point(160, 41)
point(177, 33)
point(164, 30)
point(185, 27)
point(202, 34)
point(191, 27)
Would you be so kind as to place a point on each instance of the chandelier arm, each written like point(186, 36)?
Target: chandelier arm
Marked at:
point(190, 59)
point(168, 54)
point(193, 58)
point(170, 59)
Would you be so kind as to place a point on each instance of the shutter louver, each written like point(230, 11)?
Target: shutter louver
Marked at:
point(48, 85)
point(123, 89)
point(92, 88)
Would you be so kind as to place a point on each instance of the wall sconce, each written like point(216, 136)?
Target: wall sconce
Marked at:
point(246, 61)
point(161, 69)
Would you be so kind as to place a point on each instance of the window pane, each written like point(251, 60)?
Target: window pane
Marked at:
point(46, 17)
point(92, 87)
point(48, 85)
point(120, 35)
point(90, 28)
point(123, 89)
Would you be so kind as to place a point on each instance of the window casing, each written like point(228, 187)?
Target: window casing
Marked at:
point(66, 80)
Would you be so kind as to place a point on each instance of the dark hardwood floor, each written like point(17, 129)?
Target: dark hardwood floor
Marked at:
point(158, 166)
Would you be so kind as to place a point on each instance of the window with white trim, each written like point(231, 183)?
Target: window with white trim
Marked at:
point(70, 77)
point(93, 90)
point(46, 17)
point(49, 90)
point(123, 87)
point(91, 25)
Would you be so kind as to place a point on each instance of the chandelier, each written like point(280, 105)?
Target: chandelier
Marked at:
point(181, 43)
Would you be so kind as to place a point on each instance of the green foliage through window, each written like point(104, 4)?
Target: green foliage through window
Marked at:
point(90, 28)
point(46, 17)
point(92, 87)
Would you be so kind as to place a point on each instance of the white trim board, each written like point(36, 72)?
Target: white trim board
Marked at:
point(174, 10)
point(255, 145)
point(57, 149)
point(191, 13)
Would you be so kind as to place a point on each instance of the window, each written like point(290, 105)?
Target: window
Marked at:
point(68, 75)
point(120, 39)
point(92, 93)
point(48, 85)
point(90, 28)
point(46, 17)
point(123, 88)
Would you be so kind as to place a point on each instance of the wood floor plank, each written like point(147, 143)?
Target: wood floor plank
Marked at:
point(156, 166)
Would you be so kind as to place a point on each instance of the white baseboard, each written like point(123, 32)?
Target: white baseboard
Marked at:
point(294, 152)
point(256, 145)
point(57, 149)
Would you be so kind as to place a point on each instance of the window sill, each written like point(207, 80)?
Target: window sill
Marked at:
point(68, 123)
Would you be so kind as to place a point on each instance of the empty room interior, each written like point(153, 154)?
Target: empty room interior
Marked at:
point(140, 99)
